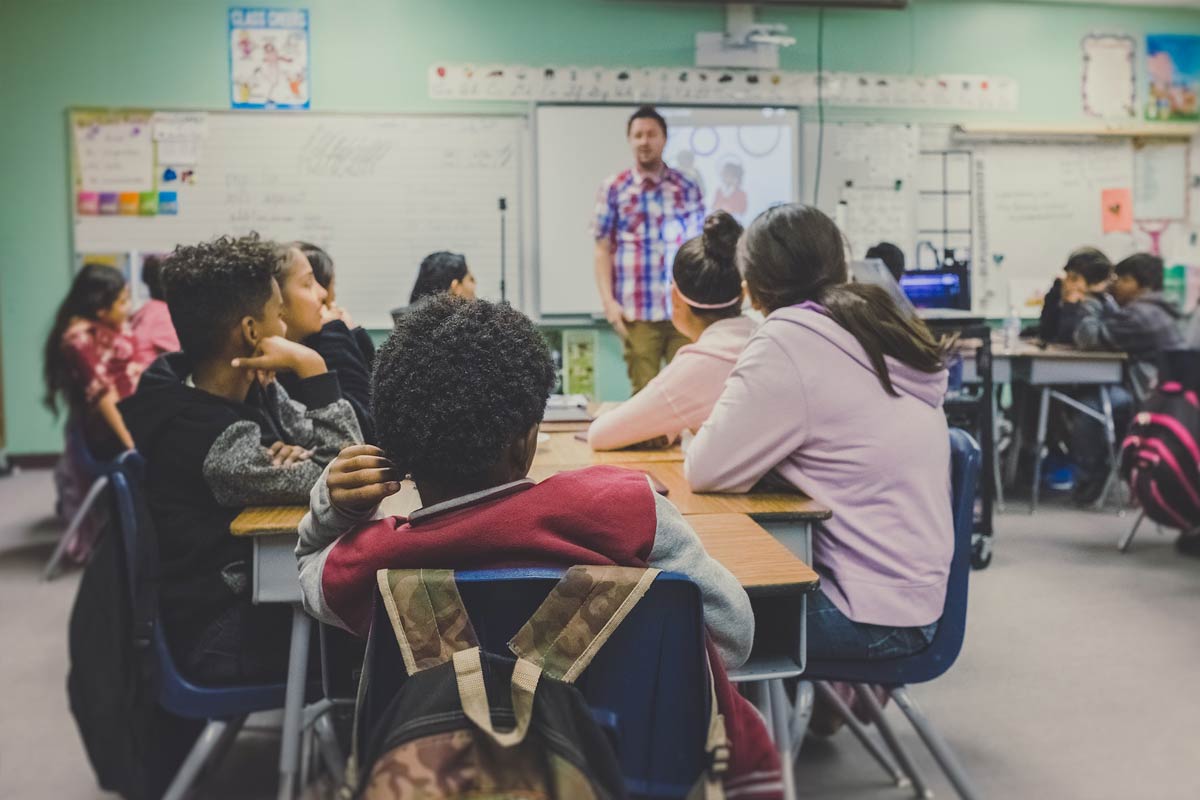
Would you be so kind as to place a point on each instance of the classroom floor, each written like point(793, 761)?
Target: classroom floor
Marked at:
point(1077, 679)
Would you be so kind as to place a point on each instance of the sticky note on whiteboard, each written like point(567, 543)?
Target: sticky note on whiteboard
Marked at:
point(1116, 210)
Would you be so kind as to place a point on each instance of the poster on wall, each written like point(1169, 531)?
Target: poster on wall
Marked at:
point(268, 58)
point(1109, 76)
point(1173, 72)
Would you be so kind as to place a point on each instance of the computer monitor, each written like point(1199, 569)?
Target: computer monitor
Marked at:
point(938, 288)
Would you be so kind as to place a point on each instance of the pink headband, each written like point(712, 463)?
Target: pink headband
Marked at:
point(709, 306)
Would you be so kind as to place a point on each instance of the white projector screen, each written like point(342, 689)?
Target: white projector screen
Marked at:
point(579, 146)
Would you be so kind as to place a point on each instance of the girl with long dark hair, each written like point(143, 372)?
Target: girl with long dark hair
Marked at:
point(839, 394)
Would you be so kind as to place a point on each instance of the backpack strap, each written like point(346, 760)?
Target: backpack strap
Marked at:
point(472, 693)
point(427, 615)
point(710, 786)
point(578, 616)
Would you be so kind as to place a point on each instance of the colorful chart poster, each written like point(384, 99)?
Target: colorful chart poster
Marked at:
point(1173, 70)
point(268, 58)
point(114, 153)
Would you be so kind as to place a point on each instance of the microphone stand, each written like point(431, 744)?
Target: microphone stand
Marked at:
point(503, 248)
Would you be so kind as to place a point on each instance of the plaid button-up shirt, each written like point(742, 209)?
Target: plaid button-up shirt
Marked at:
point(646, 218)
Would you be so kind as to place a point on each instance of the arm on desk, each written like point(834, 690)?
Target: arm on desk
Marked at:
point(757, 423)
point(727, 612)
point(321, 527)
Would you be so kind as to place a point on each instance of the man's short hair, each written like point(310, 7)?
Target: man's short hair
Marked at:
point(211, 286)
point(1144, 268)
point(456, 383)
point(646, 112)
point(1089, 263)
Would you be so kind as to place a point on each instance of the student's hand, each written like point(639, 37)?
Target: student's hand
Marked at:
point(277, 354)
point(360, 478)
point(1073, 288)
point(284, 455)
point(330, 313)
point(616, 317)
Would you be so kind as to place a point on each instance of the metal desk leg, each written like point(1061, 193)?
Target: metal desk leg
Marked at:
point(780, 722)
point(1014, 451)
point(293, 709)
point(1110, 435)
point(997, 473)
point(1039, 451)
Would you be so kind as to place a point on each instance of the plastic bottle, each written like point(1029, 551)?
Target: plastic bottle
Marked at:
point(1012, 328)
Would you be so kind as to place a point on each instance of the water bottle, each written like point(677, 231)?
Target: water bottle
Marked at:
point(1012, 329)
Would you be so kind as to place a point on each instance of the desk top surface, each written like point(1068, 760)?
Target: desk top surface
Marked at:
point(756, 558)
point(1032, 349)
point(565, 449)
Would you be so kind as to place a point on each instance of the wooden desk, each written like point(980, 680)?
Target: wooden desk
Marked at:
point(564, 450)
point(761, 564)
point(761, 505)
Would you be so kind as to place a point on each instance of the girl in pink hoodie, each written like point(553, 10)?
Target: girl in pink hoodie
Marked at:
point(706, 307)
point(839, 393)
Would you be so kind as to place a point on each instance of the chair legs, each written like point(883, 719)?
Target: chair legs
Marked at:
point(833, 698)
point(937, 746)
point(214, 739)
point(1127, 539)
point(93, 494)
point(867, 698)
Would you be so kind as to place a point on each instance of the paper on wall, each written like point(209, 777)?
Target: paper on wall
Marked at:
point(1116, 210)
point(115, 156)
point(1109, 77)
point(1160, 185)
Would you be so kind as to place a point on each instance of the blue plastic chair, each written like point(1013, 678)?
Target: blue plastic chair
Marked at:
point(77, 449)
point(647, 686)
point(224, 708)
point(896, 674)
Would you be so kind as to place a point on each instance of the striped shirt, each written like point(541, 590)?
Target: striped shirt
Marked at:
point(645, 219)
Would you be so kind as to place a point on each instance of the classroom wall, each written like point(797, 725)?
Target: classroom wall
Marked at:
point(372, 55)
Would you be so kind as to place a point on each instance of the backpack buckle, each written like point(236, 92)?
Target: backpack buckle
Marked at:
point(718, 760)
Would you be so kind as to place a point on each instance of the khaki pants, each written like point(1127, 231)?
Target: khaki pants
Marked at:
point(647, 346)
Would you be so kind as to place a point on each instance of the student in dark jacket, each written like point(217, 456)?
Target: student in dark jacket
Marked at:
point(322, 264)
point(1087, 272)
point(311, 323)
point(1138, 320)
point(218, 434)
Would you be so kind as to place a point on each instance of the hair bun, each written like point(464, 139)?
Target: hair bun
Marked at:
point(721, 234)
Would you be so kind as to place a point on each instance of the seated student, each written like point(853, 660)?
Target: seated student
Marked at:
point(90, 363)
point(1142, 323)
point(90, 357)
point(443, 272)
point(153, 331)
point(839, 394)
point(706, 307)
point(310, 323)
point(322, 266)
point(891, 256)
point(1087, 272)
point(217, 439)
point(459, 391)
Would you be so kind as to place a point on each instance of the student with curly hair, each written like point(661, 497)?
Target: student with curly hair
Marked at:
point(218, 434)
point(460, 389)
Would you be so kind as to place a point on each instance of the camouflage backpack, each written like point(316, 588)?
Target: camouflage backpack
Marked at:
point(465, 723)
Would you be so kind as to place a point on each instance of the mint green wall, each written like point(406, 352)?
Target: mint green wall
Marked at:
point(372, 55)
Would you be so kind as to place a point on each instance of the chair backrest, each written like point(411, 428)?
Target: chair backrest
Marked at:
point(647, 686)
point(931, 662)
point(1182, 366)
point(139, 548)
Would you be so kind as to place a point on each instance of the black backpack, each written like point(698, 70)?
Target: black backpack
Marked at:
point(133, 745)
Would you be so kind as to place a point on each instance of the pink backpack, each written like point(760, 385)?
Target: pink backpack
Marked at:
point(1160, 458)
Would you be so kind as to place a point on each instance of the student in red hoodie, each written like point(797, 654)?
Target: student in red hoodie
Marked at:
point(459, 391)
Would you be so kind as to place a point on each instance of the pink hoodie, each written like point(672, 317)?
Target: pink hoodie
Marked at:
point(805, 402)
point(682, 395)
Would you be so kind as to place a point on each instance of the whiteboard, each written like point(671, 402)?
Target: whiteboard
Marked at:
point(579, 146)
point(1039, 202)
point(379, 192)
point(871, 167)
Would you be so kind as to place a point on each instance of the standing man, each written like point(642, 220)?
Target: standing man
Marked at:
point(643, 215)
